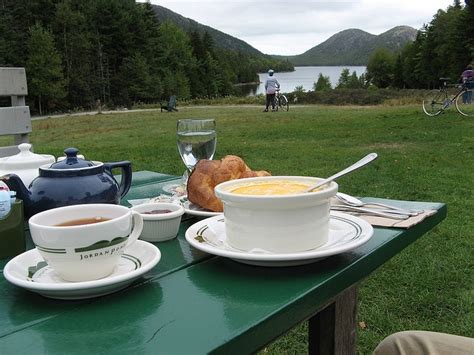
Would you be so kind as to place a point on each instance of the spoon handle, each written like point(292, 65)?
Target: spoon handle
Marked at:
point(362, 210)
point(393, 208)
point(364, 161)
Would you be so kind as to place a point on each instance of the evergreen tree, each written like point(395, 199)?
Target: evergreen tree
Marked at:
point(177, 59)
point(380, 68)
point(398, 81)
point(466, 29)
point(354, 81)
point(44, 71)
point(211, 78)
point(322, 84)
point(343, 81)
point(136, 82)
point(208, 43)
point(3, 41)
point(73, 38)
point(411, 74)
point(118, 52)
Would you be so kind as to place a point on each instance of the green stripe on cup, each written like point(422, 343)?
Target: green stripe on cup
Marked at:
point(101, 244)
point(51, 250)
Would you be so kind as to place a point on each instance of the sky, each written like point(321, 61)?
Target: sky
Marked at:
point(290, 27)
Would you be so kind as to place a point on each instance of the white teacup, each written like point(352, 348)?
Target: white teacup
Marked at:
point(79, 248)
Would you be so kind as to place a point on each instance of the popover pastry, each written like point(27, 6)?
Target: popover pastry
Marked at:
point(209, 173)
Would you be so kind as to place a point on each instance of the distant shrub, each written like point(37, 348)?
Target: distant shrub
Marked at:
point(339, 97)
point(371, 96)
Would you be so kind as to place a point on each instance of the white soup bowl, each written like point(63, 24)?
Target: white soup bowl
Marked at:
point(276, 223)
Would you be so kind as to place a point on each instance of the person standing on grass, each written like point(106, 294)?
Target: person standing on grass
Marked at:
point(271, 86)
point(467, 77)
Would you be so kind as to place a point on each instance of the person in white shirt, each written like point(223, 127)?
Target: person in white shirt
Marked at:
point(271, 86)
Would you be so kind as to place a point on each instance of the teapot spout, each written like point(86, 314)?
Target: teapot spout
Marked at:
point(16, 184)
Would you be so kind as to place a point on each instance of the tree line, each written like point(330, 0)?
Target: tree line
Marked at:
point(442, 48)
point(77, 52)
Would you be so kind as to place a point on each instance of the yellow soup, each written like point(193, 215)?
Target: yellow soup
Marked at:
point(277, 187)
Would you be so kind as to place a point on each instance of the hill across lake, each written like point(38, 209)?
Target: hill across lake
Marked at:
point(353, 47)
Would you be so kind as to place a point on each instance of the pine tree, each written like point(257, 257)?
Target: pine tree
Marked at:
point(177, 59)
point(322, 84)
point(343, 81)
point(73, 38)
point(354, 81)
point(380, 68)
point(398, 81)
point(43, 67)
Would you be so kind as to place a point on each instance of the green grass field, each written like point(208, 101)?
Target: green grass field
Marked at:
point(428, 286)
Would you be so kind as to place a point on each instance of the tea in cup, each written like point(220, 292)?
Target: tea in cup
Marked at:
point(85, 242)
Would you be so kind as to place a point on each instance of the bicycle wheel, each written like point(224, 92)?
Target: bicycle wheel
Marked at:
point(465, 103)
point(284, 103)
point(435, 102)
point(277, 102)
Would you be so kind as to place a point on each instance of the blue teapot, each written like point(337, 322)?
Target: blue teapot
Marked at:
point(71, 181)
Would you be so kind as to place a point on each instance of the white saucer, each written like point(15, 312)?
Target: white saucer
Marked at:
point(346, 232)
point(195, 210)
point(30, 271)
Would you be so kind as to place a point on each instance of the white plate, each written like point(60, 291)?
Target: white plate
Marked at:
point(195, 210)
point(346, 232)
point(30, 271)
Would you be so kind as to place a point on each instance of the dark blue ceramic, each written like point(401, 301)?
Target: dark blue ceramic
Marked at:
point(72, 181)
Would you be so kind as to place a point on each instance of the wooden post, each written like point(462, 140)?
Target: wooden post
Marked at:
point(333, 329)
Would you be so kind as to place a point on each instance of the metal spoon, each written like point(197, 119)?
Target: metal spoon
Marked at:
point(355, 202)
point(365, 160)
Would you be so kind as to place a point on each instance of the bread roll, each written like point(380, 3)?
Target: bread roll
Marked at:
point(209, 173)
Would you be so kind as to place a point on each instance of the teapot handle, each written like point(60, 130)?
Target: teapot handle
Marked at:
point(126, 168)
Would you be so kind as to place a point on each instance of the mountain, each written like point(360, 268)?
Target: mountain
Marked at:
point(352, 47)
point(348, 47)
point(221, 39)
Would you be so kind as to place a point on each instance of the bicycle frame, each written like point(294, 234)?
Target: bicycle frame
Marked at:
point(281, 101)
point(437, 101)
point(461, 91)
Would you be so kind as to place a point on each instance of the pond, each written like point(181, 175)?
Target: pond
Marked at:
point(302, 76)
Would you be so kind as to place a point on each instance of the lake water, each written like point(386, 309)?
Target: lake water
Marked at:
point(305, 77)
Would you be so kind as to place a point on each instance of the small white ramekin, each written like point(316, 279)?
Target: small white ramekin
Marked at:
point(163, 226)
point(276, 223)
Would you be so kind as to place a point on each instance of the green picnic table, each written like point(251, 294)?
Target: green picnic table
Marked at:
point(196, 303)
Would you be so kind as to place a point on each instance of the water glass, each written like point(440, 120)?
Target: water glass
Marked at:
point(196, 140)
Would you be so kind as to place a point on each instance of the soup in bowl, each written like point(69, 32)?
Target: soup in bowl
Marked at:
point(274, 213)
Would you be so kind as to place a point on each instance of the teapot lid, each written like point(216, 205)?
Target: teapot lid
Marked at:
point(26, 158)
point(72, 161)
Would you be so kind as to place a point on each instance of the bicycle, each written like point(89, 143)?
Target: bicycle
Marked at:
point(281, 101)
point(437, 101)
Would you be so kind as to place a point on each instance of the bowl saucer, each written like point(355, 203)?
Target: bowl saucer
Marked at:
point(346, 232)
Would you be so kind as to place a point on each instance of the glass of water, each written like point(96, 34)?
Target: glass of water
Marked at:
point(196, 140)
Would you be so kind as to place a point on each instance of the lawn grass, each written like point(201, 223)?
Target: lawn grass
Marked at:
point(428, 286)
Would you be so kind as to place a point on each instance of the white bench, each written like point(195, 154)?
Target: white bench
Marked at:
point(14, 120)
